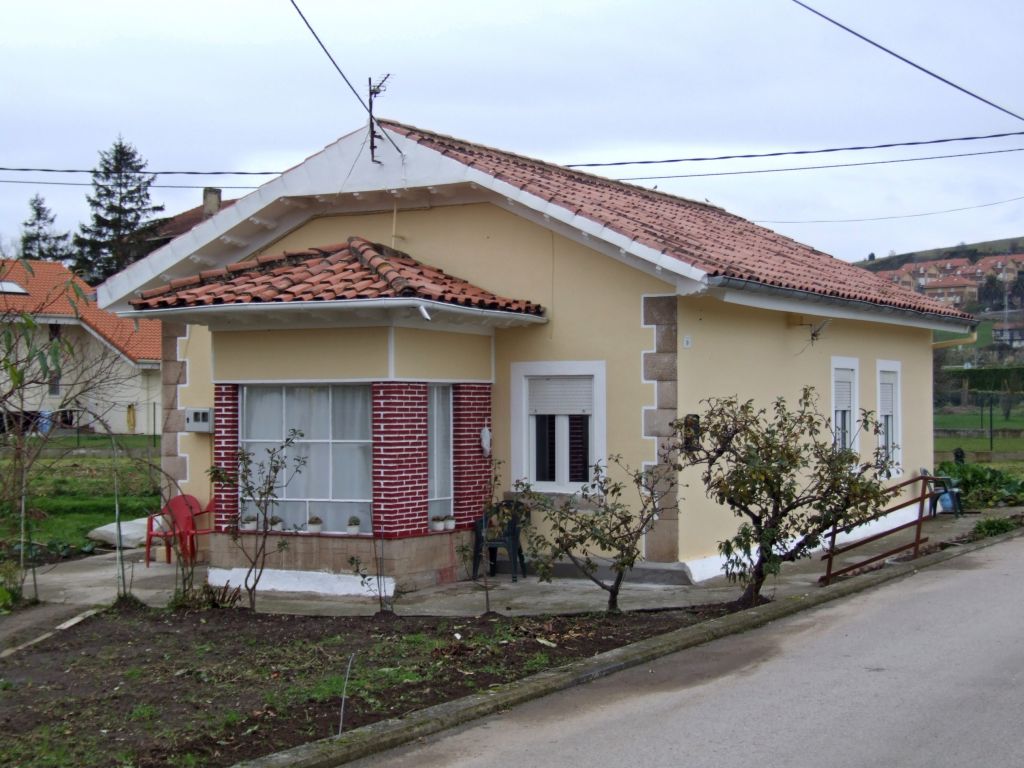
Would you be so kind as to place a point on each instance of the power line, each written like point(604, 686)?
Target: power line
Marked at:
point(815, 167)
point(887, 218)
point(143, 173)
point(748, 156)
point(88, 184)
point(784, 153)
point(323, 47)
point(905, 60)
point(622, 178)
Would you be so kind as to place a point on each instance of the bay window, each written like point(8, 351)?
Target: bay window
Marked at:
point(335, 441)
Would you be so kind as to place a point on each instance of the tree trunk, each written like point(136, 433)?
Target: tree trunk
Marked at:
point(752, 594)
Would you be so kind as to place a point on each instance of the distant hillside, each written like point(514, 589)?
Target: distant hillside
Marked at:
point(971, 251)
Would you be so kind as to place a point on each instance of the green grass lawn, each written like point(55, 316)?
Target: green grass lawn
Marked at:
point(1006, 444)
point(984, 335)
point(972, 419)
point(70, 496)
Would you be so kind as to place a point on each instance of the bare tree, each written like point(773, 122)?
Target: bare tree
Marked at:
point(260, 481)
point(50, 374)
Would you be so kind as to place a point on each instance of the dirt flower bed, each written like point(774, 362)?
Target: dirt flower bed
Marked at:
point(144, 687)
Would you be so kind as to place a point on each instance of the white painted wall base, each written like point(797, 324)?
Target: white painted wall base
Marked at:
point(705, 568)
point(317, 582)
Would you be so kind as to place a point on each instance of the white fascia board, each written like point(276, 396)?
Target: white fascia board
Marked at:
point(491, 317)
point(823, 306)
point(342, 167)
point(345, 167)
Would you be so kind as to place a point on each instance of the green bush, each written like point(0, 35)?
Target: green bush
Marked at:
point(983, 486)
point(994, 526)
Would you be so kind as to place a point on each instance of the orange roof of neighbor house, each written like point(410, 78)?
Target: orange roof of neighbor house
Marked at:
point(51, 289)
point(356, 269)
point(719, 243)
point(951, 281)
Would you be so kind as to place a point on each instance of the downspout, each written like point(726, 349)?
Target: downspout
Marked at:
point(964, 341)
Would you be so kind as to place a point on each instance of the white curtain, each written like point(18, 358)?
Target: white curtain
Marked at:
point(263, 415)
point(351, 471)
point(439, 449)
point(351, 412)
point(307, 409)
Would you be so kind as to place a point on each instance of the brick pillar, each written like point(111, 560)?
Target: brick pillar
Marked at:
point(471, 470)
point(399, 459)
point(225, 451)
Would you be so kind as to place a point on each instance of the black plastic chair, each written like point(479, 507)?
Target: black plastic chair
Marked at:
point(940, 486)
point(494, 537)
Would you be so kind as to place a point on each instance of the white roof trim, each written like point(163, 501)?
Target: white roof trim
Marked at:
point(342, 168)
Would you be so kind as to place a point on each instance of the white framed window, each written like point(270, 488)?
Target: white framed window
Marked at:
point(439, 450)
point(889, 408)
point(558, 423)
point(336, 481)
point(845, 406)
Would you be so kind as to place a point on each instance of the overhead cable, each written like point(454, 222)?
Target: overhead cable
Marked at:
point(784, 153)
point(905, 60)
point(323, 47)
point(815, 167)
point(887, 218)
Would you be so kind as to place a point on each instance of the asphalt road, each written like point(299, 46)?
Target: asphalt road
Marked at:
point(925, 671)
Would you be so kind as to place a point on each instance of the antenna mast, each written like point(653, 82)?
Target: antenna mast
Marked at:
point(375, 91)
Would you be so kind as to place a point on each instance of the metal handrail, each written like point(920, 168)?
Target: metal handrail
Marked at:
point(926, 493)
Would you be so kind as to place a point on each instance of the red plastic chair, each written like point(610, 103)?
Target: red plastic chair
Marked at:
point(179, 514)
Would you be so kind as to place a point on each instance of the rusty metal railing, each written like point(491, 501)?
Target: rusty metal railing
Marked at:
point(925, 494)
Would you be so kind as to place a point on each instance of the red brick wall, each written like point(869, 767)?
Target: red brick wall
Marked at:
point(399, 459)
point(399, 455)
point(225, 450)
point(471, 470)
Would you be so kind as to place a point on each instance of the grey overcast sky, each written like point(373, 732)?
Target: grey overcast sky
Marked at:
point(241, 85)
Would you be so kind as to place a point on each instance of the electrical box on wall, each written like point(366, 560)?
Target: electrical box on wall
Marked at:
point(199, 419)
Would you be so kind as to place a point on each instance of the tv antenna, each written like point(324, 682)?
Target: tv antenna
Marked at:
point(375, 90)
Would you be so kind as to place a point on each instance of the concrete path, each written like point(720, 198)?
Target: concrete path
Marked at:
point(78, 585)
point(923, 672)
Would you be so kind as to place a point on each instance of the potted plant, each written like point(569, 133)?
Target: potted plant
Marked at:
point(353, 524)
point(314, 524)
point(276, 523)
point(437, 523)
point(248, 523)
point(449, 523)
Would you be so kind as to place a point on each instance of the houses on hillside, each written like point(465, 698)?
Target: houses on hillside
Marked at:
point(955, 282)
point(422, 312)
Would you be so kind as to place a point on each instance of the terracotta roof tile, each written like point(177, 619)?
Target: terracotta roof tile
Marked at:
point(50, 291)
point(704, 236)
point(357, 269)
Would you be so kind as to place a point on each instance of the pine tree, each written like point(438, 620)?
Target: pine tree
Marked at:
point(121, 215)
point(38, 238)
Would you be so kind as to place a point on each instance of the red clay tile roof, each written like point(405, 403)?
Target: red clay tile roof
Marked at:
point(704, 236)
point(357, 269)
point(49, 292)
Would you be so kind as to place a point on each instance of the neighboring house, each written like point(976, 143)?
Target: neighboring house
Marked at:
point(1011, 334)
point(953, 290)
point(416, 315)
point(109, 378)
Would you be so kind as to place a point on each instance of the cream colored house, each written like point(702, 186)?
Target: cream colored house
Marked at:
point(414, 311)
point(109, 377)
